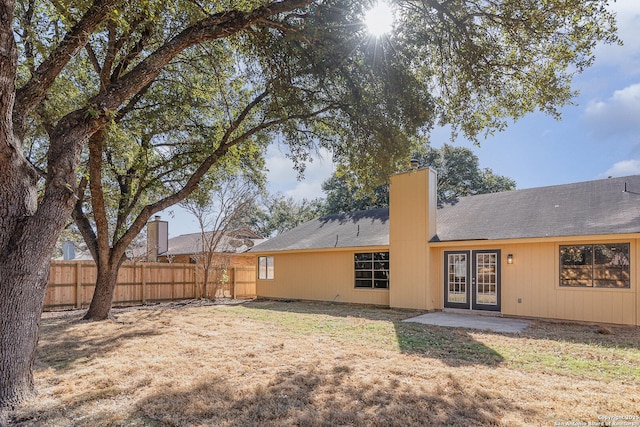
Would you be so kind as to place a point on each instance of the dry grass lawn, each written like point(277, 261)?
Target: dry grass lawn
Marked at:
point(309, 364)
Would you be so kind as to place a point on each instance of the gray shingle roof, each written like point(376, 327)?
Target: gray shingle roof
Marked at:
point(354, 229)
point(192, 243)
point(584, 208)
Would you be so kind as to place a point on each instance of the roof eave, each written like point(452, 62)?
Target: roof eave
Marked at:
point(308, 250)
point(540, 239)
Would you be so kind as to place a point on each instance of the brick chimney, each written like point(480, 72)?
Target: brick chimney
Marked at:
point(157, 238)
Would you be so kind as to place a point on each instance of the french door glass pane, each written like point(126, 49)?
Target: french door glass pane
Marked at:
point(457, 285)
point(486, 278)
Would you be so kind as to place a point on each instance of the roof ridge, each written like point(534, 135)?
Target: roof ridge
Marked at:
point(543, 188)
point(350, 213)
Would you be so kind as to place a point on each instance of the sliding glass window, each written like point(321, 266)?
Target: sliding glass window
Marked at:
point(595, 266)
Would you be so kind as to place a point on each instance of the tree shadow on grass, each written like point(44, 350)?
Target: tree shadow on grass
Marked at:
point(327, 396)
point(65, 343)
point(453, 346)
point(316, 396)
point(84, 409)
point(334, 309)
point(609, 336)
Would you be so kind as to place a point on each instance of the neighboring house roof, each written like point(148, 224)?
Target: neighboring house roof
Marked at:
point(361, 228)
point(82, 254)
point(235, 242)
point(585, 208)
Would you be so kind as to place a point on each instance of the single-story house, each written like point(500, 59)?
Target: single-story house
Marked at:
point(560, 252)
point(229, 247)
point(234, 244)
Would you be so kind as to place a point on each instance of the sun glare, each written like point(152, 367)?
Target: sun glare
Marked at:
point(379, 19)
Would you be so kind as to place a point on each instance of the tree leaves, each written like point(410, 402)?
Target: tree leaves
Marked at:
point(182, 88)
point(458, 173)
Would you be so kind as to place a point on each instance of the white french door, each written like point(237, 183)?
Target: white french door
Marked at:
point(472, 279)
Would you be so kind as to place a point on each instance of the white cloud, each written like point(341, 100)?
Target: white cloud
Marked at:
point(282, 177)
point(626, 57)
point(622, 168)
point(306, 190)
point(280, 169)
point(617, 115)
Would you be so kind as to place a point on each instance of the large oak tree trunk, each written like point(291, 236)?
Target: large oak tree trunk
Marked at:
point(22, 282)
point(22, 292)
point(103, 294)
point(29, 228)
point(24, 270)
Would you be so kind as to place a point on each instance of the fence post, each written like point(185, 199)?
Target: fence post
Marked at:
point(144, 284)
point(184, 282)
point(195, 281)
point(173, 284)
point(235, 282)
point(78, 285)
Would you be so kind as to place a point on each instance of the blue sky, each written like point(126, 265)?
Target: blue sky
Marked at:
point(596, 138)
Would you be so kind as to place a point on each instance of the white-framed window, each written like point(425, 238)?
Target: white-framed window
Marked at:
point(595, 266)
point(265, 267)
point(371, 270)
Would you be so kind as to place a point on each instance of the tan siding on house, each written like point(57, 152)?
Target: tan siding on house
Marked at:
point(534, 279)
point(436, 278)
point(408, 235)
point(321, 275)
point(635, 267)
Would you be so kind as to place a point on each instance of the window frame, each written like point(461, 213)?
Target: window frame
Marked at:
point(266, 272)
point(371, 262)
point(594, 282)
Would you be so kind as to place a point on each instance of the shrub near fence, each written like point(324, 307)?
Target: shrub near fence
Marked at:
point(71, 283)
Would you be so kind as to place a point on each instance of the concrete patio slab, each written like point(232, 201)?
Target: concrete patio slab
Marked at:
point(472, 321)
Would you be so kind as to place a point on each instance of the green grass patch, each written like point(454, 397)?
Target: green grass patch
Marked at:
point(572, 350)
point(580, 360)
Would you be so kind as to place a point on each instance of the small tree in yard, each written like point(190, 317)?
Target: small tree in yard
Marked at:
point(305, 71)
point(220, 211)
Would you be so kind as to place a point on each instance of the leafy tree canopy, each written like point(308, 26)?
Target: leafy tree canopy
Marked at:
point(277, 214)
point(458, 170)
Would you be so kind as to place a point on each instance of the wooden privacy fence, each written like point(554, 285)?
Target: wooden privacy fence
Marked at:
point(71, 283)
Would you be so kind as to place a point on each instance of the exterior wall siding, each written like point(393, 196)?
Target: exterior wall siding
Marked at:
point(409, 229)
point(531, 285)
point(322, 276)
point(635, 278)
point(533, 279)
